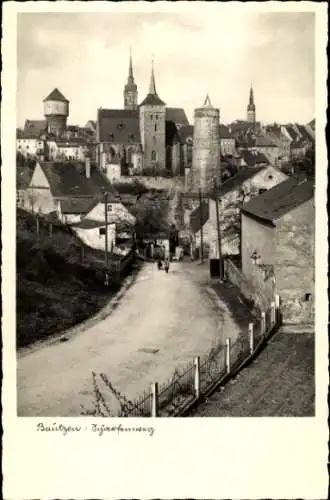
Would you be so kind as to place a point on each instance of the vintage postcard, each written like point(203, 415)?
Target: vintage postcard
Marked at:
point(164, 177)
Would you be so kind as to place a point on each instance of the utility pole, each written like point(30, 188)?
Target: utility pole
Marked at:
point(106, 230)
point(201, 225)
point(218, 229)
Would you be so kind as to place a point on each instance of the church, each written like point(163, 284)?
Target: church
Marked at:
point(141, 138)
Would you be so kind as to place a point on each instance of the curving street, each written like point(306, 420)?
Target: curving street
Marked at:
point(173, 313)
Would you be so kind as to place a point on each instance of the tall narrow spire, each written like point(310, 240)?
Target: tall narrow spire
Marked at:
point(251, 108)
point(130, 89)
point(130, 79)
point(251, 100)
point(152, 86)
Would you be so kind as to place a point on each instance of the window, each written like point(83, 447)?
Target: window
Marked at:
point(270, 177)
point(109, 208)
point(153, 156)
point(151, 117)
point(102, 231)
point(156, 117)
point(308, 297)
point(155, 127)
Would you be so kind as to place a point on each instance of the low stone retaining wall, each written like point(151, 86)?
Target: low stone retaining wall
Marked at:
point(234, 275)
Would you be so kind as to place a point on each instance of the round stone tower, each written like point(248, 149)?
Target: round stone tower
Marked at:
point(206, 148)
point(56, 111)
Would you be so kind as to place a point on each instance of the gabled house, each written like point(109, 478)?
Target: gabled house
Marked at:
point(245, 185)
point(266, 146)
point(92, 233)
point(277, 247)
point(227, 141)
point(74, 183)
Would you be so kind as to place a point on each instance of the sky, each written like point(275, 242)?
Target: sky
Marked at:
point(85, 55)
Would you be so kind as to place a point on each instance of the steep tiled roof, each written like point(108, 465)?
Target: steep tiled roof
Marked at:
point(304, 133)
point(88, 224)
point(68, 179)
point(237, 180)
point(293, 134)
point(152, 100)
point(34, 128)
point(199, 217)
point(312, 124)
point(119, 126)
point(185, 132)
point(225, 133)
point(56, 95)
point(177, 115)
point(170, 132)
point(264, 141)
point(78, 205)
point(253, 158)
point(281, 199)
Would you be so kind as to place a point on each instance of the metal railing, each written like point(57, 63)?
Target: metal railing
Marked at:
point(197, 377)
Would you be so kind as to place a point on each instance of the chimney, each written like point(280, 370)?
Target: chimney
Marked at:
point(88, 167)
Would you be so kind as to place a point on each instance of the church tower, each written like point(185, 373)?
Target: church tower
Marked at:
point(251, 109)
point(152, 129)
point(130, 89)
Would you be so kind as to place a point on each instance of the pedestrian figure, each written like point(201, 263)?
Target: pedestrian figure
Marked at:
point(159, 264)
point(167, 264)
point(106, 280)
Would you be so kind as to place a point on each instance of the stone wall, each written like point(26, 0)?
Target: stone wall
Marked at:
point(235, 276)
point(168, 183)
point(295, 261)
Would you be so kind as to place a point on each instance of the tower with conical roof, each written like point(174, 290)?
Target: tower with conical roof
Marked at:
point(205, 169)
point(152, 129)
point(56, 111)
point(251, 109)
point(130, 89)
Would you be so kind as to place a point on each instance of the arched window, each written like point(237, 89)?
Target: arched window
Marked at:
point(153, 156)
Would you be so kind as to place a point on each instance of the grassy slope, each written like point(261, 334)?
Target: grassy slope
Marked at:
point(55, 290)
point(279, 383)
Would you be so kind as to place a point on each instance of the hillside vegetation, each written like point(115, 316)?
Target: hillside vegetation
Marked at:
point(58, 283)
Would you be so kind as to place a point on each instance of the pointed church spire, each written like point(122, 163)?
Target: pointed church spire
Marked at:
point(251, 101)
point(130, 79)
point(152, 86)
point(251, 108)
point(207, 102)
point(130, 89)
point(130, 71)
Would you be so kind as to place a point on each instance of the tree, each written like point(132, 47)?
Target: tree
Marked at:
point(151, 215)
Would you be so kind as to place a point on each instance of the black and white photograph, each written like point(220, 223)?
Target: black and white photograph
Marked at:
point(165, 219)
point(167, 180)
